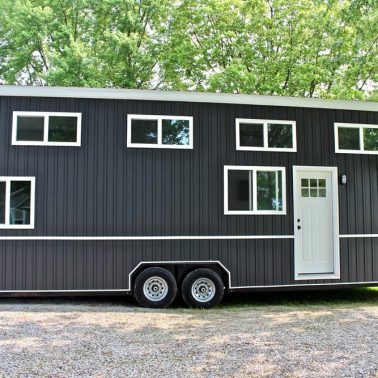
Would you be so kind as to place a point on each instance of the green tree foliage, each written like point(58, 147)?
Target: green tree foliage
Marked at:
point(312, 48)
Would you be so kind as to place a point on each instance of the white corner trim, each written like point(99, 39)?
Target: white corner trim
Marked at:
point(45, 141)
point(7, 225)
point(156, 95)
point(159, 119)
point(253, 169)
point(265, 123)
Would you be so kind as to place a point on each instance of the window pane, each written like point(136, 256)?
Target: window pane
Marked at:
point(304, 192)
point(239, 190)
point(144, 131)
point(20, 202)
point(269, 190)
point(175, 131)
point(349, 138)
point(251, 135)
point(280, 136)
point(62, 129)
point(313, 183)
point(30, 128)
point(304, 182)
point(2, 202)
point(370, 139)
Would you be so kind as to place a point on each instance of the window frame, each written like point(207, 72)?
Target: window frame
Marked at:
point(46, 116)
point(8, 180)
point(254, 169)
point(159, 119)
point(360, 127)
point(265, 123)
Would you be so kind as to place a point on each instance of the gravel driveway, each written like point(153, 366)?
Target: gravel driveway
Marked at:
point(110, 338)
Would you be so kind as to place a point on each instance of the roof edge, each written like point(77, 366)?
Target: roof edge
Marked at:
point(157, 95)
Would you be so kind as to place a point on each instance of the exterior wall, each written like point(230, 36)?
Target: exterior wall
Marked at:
point(105, 189)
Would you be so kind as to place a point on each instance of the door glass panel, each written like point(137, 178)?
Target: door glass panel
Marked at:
point(322, 193)
point(304, 182)
point(2, 202)
point(20, 202)
point(313, 192)
point(370, 139)
point(30, 128)
point(240, 190)
point(62, 129)
point(349, 138)
point(144, 131)
point(313, 183)
point(322, 183)
point(280, 135)
point(175, 131)
point(305, 192)
point(251, 134)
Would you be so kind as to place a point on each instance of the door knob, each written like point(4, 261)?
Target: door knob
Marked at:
point(299, 227)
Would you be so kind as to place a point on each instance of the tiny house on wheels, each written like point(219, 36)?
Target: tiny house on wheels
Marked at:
point(159, 194)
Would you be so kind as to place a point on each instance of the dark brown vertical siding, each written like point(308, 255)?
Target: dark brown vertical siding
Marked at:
point(105, 189)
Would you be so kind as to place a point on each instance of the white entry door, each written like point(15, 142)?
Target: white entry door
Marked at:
point(316, 223)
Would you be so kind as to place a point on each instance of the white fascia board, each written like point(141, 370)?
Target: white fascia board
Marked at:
point(155, 95)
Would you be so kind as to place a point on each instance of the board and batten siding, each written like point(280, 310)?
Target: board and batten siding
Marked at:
point(105, 189)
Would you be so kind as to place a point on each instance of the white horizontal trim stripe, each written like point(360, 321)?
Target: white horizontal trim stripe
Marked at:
point(220, 237)
point(198, 237)
point(359, 236)
point(154, 95)
point(306, 285)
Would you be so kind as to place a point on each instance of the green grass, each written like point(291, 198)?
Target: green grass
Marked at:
point(341, 297)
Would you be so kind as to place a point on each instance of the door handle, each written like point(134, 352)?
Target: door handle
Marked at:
point(299, 227)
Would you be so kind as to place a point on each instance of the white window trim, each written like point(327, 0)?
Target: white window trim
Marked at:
point(265, 123)
point(7, 180)
point(159, 119)
point(254, 169)
point(361, 127)
point(45, 141)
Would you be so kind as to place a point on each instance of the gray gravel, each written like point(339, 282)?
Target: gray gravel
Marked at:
point(82, 338)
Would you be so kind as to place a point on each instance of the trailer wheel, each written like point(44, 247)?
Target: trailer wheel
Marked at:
point(155, 288)
point(202, 288)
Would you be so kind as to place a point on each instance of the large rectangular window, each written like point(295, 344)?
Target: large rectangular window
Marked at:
point(354, 138)
point(17, 202)
point(152, 131)
point(254, 190)
point(46, 129)
point(265, 135)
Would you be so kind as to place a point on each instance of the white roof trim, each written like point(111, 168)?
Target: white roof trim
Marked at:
point(154, 95)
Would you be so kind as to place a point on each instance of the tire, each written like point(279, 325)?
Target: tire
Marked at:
point(155, 288)
point(202, 288)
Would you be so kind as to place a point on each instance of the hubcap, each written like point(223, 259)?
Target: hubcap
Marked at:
point(203, 290)
point(155, 288)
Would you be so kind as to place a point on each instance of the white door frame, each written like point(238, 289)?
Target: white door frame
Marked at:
point(335, 209)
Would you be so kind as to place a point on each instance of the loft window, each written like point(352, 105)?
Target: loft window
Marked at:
point(17, 202)
point(151, 131)
point(46, 129)
point(352, 138)
point(254, 190)
point(265, 135)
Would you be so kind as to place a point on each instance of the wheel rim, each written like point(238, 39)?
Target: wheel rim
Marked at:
point(203, 290)
point(155, 288)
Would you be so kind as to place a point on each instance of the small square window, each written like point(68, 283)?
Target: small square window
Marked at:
point(280, 135)
point(304, 182)
point(371, 139)
point(305, 192)
point(252, 134)
point(313, 183)
point(349, 138)
point(30, 128)
point(322, 193)
point(144, 131)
